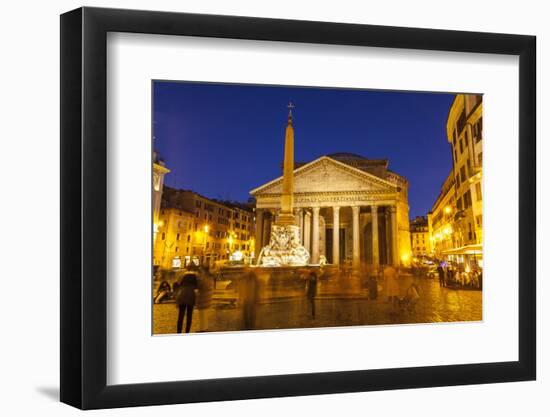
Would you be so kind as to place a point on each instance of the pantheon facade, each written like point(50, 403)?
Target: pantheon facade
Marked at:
point(349, 209)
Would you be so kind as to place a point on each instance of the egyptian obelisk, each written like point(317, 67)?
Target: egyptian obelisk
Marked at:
point(284, 248)
point(286, 215)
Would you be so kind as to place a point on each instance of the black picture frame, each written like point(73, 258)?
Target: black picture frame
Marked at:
point(84, 207)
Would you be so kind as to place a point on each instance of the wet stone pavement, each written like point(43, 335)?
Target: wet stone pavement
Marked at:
point(435, 305)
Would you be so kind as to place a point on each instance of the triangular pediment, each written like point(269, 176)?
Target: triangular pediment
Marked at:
point(328, 175)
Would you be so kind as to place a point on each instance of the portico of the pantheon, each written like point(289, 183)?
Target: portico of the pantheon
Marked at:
point(348, 208)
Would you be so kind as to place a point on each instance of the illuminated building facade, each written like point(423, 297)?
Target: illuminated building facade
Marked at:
point(348, 208)
point(456, 219)
point(441, 219)
point(211, 230)
point(465, 134)
point(420, 237)
point(176, 237)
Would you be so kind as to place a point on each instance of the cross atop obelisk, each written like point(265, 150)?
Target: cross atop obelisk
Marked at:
point(290, 107)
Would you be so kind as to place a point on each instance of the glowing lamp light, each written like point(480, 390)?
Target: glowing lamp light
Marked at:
point(176, 262)
point(448, 210)
point(237, 256)
point(206, 229)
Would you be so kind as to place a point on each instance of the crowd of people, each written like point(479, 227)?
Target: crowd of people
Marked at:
point(193, 289)
point(458, 276)
point(403, 295)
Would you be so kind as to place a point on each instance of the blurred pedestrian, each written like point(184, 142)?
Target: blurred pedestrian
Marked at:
point(449, 275)
point(392, 286)
point(204, 299)
point(475, 278)
point(163, 292)
point(347, 270)
point(461, 277)
point(412, 296)
point(249, 297)
point(441, 273)
point(311, 291)
point(185, 299)
point(373, 284)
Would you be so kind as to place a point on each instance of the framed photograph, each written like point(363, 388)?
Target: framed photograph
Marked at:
point(257, 208)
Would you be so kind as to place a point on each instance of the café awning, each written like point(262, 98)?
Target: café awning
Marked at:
point(465, 250)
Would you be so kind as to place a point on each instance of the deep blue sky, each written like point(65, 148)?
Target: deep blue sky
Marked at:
point(224, 140)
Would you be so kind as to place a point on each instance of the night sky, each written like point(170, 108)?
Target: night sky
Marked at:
point(224, 140)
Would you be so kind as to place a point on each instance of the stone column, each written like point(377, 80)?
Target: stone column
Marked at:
point(322, 237)
point(355, 258)
point(336, 235)
point(375, 250)
point(300, 222)
point(394, 248)
point(307, 231)
point(315, 236)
